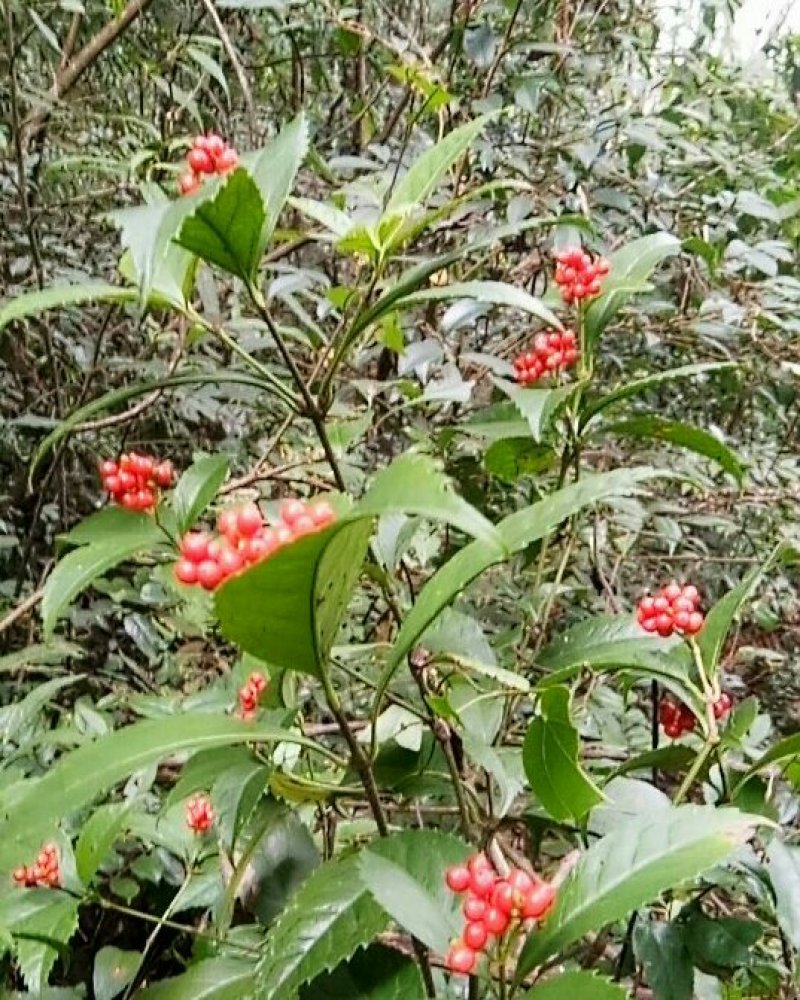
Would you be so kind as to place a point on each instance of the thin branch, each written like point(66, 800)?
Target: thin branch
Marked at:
point(235, 61)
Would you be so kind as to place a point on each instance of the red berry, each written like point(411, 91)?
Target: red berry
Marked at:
point(145, 499)
point(504, 897)
point(304, 526)
point(322, 513)
point(282, 535)
point(209, 574)
point(200, 161)
point(475, 908)
point(248, 520)
point(482, 881)
point(113, 485)
point(475, 935)
point(290, 510)
point(228, 523)
point(671, 591)
point(214, 143)
point(458, 878)
point(108, 468)
point(199, 813)
point(194, 546)
point(695, 623)
point(186, 571)
point(127, 480)
point(164, 474)
point(479, 861)
point(520, 880)
point(461, 959)
point(538, 901)
point(230, 561)
point(188, 183)
point(722, 705)
point(664, 625)
point(495, 921)
point(227, 160)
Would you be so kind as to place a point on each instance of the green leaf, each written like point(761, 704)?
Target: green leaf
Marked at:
point(684, 435)
point(287, 609)
point(494, 292)
point(113, 522)
point(62, 296)
point(550, 756)
point(376, 973)
point(516, 532)
point(783, 867)
point(78, 569)
point(414, 484)
point(784, 750)
point(637, 386)
point(42, 922)
point(226, 230)
point(197, 487)
point(29, 810)
point(97, 837)
point(40, 654)
point(333, 219)
point(404, 873)
point(720, 942)
point(668, 968)
point(630, 268)
point(275, 169)
point(212, 979)
point(720, 618)
point(147, 231)
point(406, 901)
point(113, 970)
point(576, 985)
point(538, 406)
point(419, 183)
point(14, 718)
point(330, 917)
point(606, 642)
point(632, 866)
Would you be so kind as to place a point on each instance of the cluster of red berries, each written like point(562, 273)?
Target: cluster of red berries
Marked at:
point(245, 539)
point(578, 276)
point(673, 609)
point(134, 481)
point(550, 353)
point(677, 719)
point(210, 154)
point(45, 870)
point(250, 695)
point(199, 813)
point(493, 906)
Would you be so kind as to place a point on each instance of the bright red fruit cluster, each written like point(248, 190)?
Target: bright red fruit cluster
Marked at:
point(245, 539)
point(134, 481)
point(675, 718)
point(45, 870)
point(210, 154)
point(493, 906)
point(250, 695)
point(549, 353)
point(578, 276)
point(674, 609)
point(199, 813)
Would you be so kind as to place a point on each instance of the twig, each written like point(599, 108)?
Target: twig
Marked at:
point(21, 609)
point(67, 77)
point(238, 69)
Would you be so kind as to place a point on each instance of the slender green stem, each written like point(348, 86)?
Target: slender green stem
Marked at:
point(272, 380)
point(694, 770)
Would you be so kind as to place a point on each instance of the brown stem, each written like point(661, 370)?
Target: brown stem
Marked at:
point(67, 77)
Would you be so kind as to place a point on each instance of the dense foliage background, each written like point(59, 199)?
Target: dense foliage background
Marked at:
point(357, 342)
